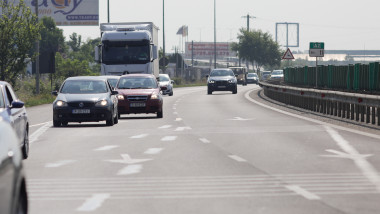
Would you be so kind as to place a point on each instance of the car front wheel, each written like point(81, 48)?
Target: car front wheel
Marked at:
point(110, 121)
point(160, 114)
point(25, 148)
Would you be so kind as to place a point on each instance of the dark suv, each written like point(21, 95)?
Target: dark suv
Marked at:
point(221, 79)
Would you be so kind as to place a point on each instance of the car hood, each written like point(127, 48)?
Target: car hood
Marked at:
point(137, 91)
point(82, 97)
point(221, 78)
point(163, 83)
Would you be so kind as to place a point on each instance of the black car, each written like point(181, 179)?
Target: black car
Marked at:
point(85, 99)
point(13, 111)
point(221, 79)
point(13, 193)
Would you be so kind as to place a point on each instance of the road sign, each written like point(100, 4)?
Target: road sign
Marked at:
point(317, 49)
point(288, 55)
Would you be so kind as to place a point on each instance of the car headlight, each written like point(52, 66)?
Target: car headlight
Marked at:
point(101, 103)
point(120, 97)
point(61, 103)
point(154, 97)
point(211, 81)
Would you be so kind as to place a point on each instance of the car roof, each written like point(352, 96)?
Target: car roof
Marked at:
point(4, 83)
point(87, 78)
point(137, 75)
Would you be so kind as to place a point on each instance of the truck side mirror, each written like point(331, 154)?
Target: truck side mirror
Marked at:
point(97, 56)
point(155, 52)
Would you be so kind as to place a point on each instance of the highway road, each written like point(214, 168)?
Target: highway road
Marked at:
point(219, 153)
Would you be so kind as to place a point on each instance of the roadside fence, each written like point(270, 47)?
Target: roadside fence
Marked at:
point(357, 77)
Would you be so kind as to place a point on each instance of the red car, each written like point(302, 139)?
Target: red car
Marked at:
point(139, 94)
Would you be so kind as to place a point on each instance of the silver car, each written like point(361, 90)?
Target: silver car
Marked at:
point(166, 84)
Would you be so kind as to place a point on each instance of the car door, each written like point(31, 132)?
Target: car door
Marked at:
point(7, 173)
point(18, 115)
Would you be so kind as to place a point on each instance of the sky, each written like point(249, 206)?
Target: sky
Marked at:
point(340, 24)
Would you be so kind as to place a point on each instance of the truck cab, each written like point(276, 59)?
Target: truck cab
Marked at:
point(128, 49)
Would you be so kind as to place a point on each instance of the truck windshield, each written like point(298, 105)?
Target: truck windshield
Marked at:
point(120, 52)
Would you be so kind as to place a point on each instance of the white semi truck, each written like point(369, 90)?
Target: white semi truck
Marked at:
point(128, 48)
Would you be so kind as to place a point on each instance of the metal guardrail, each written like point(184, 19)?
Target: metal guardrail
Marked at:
point(360, 107)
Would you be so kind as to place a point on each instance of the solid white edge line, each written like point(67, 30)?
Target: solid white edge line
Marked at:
point(303, 192)
point(93, 203)
point(39, 124)
point(309, 119)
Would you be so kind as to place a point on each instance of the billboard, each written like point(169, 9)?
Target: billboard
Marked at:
point(205, 50)
point(68, 12)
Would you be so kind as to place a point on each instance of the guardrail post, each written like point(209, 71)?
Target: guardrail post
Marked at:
point(343, 110)
point(373, 115)
point(357, 111)
point(368, 114)
point(352, 111)
point(339, 109)
point(362, 113)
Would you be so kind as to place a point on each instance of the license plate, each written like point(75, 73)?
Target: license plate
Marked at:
point(137, 105)
point(81, 111)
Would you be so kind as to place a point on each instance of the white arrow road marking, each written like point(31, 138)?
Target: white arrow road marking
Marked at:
point(131, 169)
point(179, 129)
point(106, 148)
point(240, 119)
point(204, 140)
point(178, 119)
point(169, 138)
point(139, 136)
point(34, 137)
point(237, 158)
point(153, 151)
point(93, 203)
point(126, 159)
point(165, 127)
point(339, 154)
point(303, 192)
point(361, 162)
point(59, 163)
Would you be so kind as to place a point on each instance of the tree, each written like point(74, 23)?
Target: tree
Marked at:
point(75, 42)
point(19, 30)
point(52, 39)
point(258, 48)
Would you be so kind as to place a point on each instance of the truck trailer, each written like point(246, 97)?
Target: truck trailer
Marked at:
point(128, 48)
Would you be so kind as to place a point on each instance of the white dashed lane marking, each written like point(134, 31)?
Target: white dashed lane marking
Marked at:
point(59, 163)
point(178, 119)
point(106, 148)
point(169, 138)
point(237, 158)
point(204, 140)
point(130, 169)
point(179, 129)
point(153, 151)
point(303, 192)
point(165, 127)
point(139, 136)
point(93, 203)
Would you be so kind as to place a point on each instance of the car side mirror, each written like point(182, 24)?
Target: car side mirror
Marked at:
point(207, 76)
point(172, 81)
point(236, 75)
point(114, 92)
point(17, 104)
point(54, 93)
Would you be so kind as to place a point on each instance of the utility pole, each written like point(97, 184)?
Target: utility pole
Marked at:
point(37, 58)
point(163, 35)
point(248, 17)
point(214, 33)
point(108, 11)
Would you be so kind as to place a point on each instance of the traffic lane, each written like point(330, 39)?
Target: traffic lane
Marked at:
point(39, 116)
point(281, 145)
point(185, 171)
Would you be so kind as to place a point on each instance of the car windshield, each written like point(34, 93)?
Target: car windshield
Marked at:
point(137, 83)
point(1, 99)
point(252, 75)
point(84, 87)
point(163, 78)
point(221, 73)
point(277, 73)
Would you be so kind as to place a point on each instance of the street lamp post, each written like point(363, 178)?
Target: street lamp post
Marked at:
point(163, 35)
point(108, 10)
point(214, 33)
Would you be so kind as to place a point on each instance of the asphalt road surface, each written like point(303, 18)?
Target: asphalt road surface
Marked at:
point(219, 153)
